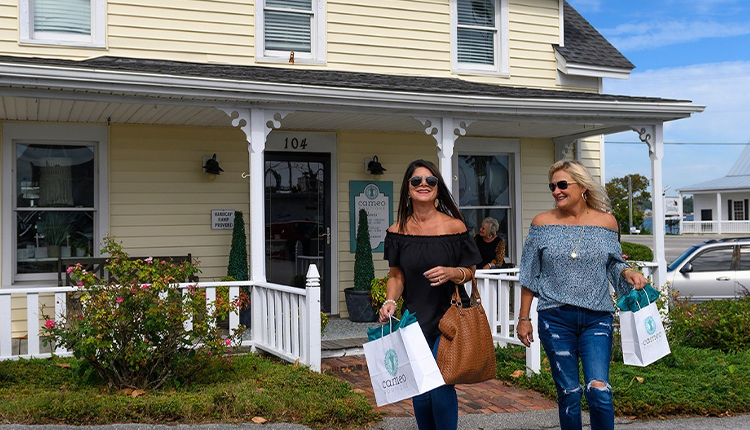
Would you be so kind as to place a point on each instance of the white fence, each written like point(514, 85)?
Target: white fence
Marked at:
point(715, 227)
point(285, 320)
point(501, 299)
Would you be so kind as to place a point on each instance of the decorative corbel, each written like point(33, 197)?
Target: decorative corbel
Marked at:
point(267, 121)
point(563, 147)
point(646, 135)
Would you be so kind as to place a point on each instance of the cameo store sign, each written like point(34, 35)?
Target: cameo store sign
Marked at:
point(376, 198)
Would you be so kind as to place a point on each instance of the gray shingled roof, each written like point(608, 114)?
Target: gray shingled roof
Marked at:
point(324, 78)
point(737, 178)
point(585, 45)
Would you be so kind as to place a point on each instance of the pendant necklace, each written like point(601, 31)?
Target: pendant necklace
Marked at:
point(574, 248)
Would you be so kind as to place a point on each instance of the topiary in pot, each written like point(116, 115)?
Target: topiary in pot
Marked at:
point(358, 297)
point(237, 268)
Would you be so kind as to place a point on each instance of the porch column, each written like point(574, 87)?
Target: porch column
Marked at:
point(652, 135)
point(679, 211)
point(445, 130)
point(718, 212)
point(256, 123)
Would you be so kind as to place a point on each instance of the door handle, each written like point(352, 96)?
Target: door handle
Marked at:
point(723, 278)
point(327, 235)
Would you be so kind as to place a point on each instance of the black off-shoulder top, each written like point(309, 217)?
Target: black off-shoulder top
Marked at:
point(417, 254)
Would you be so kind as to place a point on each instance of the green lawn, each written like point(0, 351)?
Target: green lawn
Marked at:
point(44, 392)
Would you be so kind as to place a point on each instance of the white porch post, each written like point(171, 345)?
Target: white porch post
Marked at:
point(718, 212)
point(679, 211)
point(652, 134)
point(445, 130)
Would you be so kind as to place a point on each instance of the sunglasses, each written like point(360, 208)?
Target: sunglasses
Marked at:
point(563, 185)
point(416, 181)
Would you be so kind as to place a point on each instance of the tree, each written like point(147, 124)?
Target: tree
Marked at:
point(687, 204)
point(617, 190)
point(237, 267)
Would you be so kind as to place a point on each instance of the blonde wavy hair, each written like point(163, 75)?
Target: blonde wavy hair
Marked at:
point(595, 195)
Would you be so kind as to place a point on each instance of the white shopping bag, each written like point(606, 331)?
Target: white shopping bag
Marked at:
point(643, 338)
point(401, 365)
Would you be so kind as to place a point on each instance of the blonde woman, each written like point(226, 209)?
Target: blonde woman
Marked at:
point(571, 254)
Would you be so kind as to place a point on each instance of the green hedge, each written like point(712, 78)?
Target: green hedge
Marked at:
point(637, 252)
point(714, 324)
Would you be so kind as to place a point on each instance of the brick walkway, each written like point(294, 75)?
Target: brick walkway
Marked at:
point(489, 397)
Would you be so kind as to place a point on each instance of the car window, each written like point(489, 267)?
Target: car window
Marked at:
point(713, 260)
point(745, 257)
point(673, 265)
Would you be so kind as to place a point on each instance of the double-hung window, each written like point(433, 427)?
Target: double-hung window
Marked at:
point(63, 22)
point(54, 206)
point(479, 36)
point(290, 26)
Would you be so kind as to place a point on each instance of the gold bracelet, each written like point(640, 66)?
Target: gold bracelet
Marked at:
point(463, 275)
point(622, 272)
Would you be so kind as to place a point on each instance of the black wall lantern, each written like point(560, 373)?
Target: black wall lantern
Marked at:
point(212, 166)
point(374, 166)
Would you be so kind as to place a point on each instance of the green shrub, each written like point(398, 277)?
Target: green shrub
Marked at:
point(715, 324)
point(364, 269)
point(377, 295)
point(132, 330)
point(637, 252)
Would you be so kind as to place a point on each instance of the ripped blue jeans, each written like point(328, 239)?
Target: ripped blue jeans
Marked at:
point(568, 333)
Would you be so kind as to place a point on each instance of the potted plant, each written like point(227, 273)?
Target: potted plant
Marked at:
point(81, 246)
point(56, 228)
point(358, 301)
point(378, 294)
point(237, 267)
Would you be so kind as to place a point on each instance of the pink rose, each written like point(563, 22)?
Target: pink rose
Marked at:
point(150, 260)
point(227, 341)
point(120, 299)
point(210, 353)
point(625, 256)
point(144, 286)
point(69, 269)
point(49, 324)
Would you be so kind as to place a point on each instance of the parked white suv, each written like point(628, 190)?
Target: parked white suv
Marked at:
point(714, 269)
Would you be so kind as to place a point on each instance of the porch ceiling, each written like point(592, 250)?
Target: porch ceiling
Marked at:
point(16, 108)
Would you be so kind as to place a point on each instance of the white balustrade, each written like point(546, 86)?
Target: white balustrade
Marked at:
point(285, 320)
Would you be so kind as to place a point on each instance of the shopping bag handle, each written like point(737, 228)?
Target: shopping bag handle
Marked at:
point(638, 302)
point(390, 321)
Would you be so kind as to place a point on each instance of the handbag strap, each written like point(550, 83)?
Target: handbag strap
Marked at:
point(474, 299)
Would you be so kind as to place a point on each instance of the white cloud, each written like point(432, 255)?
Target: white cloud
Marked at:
point(632, 37)
point(723, 87)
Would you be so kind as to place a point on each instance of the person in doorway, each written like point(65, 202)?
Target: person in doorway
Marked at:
point(429, 252)
point(491, 246)
point(569, 258)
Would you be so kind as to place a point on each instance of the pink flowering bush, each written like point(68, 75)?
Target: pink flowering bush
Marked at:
point(714, 324)
point(134, 330)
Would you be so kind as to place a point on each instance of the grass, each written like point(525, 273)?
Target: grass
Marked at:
point(44, 392)
point(689, 381)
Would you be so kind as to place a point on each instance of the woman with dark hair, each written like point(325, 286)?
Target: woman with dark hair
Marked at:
point(429, 251)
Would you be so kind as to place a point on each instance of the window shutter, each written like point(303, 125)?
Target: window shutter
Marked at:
point(288, 26)
point(476, 31)
point(731, 208)
point(62, 16)
point(746, 217)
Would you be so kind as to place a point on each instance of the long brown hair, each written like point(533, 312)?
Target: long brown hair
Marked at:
point(446, 204)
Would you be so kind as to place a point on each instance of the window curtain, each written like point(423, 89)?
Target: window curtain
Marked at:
point(476, 31)
point(288, 25)
point(62, 16)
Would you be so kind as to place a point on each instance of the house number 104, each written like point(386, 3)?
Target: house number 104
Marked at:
point(295, 143)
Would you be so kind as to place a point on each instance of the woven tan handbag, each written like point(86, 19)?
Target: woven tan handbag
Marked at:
point(466, 354)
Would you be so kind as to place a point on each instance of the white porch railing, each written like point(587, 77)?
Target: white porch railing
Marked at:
point(499, 289)
point(285, 320)
point(715, 227)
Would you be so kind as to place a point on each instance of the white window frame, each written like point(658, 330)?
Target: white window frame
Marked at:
point(512, 149)
point(317, 38)
point(97, 38)
point(500, 66)
point(13, 133)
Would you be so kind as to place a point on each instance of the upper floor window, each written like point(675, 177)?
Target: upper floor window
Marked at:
point(479, 36)
point(290, 26)
point(63, 22)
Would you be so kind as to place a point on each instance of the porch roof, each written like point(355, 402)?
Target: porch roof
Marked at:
point(738, 178)
point(144, 91)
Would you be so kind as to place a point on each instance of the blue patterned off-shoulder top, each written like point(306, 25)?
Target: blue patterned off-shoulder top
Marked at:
point(557, 279)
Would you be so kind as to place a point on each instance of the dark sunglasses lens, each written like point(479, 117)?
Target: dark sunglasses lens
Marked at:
point(415, 181)
point(563, 185)
point(431, 181)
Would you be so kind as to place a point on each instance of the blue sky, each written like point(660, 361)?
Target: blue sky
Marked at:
point(695, 50)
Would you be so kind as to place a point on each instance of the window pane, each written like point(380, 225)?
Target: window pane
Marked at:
point(45, 235)
point(291, 4)
point(713, 260)
point(476, 46)
point(474, 217)
point(476, 12)
point(288, 31)
point(62, 16)
point(54, 175)
point(483, 180)
point(745, 258)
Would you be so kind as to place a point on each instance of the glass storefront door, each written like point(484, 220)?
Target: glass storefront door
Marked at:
point(298, 219)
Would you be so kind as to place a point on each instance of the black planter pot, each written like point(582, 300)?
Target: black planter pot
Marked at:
point(359, 306)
